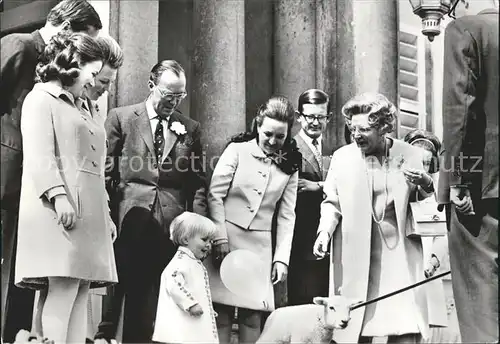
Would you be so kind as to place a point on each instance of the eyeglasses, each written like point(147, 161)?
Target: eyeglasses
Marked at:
point(311, 118)
point(171, 96)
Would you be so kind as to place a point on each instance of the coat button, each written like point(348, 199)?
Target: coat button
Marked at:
point(251, 210)
point(259, 192)
point(91, 132)
point(93, 147)
point(94, 163)
point(150, 206)
point(264, 175)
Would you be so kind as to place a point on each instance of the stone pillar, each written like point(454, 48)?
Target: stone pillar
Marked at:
point(326, 69)
point(368, 49)
point(218, 96)
point(134, 25)
point(294, 66)
point(294, 48)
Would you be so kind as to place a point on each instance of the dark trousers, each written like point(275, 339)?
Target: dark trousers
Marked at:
point(473, 246)
point(17, 303)
point(307, 279)
point(142, 251)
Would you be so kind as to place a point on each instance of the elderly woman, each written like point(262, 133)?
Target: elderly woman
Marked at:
point(368, 187)
point(65, 230)
point(256, 176)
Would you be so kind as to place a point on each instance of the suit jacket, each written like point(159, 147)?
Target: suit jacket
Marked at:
point(307, 209)
point(245, 190)
point(136, 179)
point(470, 105)
point(348, 199)
point(19, 57)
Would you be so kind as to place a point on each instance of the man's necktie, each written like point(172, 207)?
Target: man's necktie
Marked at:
point(317, 155)
point(159, 141)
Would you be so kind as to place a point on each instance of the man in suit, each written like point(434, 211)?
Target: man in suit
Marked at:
point(154, 173)
point(308, 277)
point(470, 169)
point(19, 57)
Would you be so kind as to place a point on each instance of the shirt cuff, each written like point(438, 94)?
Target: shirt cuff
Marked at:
point(56, 190)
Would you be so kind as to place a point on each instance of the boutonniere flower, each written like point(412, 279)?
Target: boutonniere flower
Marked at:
point(178, 128)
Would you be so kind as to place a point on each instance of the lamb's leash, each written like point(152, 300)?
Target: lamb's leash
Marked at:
point(427, 280)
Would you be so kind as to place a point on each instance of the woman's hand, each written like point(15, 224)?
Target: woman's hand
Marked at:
point(321, 245)
point(219, 251)
point(432, 266)
point(417, 177)
point(65, 212)
point(307, 185)
point(279, 272)
point(112, 229)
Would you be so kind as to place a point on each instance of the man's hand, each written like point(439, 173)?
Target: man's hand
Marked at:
point(195, 310)
point(307, 185)
point(321, 245)
point(65, 213)
point(462, 200)
point(279, 272)
point(219, 251)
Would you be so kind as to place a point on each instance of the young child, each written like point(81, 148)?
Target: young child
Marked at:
point(185, 313)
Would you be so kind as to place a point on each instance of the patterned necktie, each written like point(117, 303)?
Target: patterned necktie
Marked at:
point(159, 141)
point(317, 155)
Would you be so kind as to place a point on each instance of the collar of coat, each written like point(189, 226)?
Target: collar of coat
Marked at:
point(187, 252)
point(55, 90)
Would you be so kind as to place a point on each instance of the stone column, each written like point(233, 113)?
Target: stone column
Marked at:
point(368, 49)
point(294, 66)
point(134, 25)
point(218, 99)
point(294, 48)
point(326, 69)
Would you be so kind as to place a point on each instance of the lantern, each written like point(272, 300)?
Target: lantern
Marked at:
point(431, 12)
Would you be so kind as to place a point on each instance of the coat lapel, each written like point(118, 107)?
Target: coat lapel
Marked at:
point(143, 124)
point(171, 137)
point(308, 155)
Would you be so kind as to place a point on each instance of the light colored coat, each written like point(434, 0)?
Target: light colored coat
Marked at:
point(348, 199)
point(246, 190)
point(184, 283)
point(63, 147)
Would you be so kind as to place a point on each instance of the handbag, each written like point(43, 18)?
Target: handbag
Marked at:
point(426, 220)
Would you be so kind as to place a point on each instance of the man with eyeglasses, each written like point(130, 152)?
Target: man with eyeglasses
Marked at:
point(469, 175)
point(154, 172)
point(308, 277)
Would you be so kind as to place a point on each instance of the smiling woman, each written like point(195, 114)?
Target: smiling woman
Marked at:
point(367, 197)
point(255, 178)
point(62, 193)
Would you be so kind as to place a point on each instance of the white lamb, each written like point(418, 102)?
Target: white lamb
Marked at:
point(313, 323)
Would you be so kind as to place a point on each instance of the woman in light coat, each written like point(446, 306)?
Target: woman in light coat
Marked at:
point(65, 230)
point(369, 187)
point(256, 176)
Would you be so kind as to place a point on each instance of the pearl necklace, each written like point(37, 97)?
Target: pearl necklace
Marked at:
point(371, 185)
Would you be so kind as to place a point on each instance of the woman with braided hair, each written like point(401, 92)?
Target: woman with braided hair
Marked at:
point(65, 231)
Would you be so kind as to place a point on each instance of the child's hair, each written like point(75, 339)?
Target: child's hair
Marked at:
point(428, 141)
point(187, 224)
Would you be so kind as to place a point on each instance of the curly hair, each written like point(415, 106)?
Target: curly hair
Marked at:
point(280, 109)
point(381, 112)
point(64, 55)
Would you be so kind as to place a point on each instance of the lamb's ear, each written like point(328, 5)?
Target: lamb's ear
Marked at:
point(318, 300)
